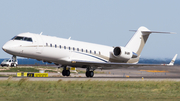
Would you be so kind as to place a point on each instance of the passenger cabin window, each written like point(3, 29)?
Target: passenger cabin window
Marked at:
point(77, 49)
point(82, 50)
point(59, 46)
point(50, 45)
point(94, 52)
point(69, 48)
point(64, 47)
point(55, 46)
point(86, 51)
point(73, 49)
point(46, 44)
point(90, 51)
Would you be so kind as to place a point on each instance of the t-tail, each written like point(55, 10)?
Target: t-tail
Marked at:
point(137, 42)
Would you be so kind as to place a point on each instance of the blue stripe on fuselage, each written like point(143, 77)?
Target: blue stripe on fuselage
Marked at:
point(92, 56)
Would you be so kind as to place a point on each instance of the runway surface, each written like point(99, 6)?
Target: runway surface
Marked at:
point(129, 74)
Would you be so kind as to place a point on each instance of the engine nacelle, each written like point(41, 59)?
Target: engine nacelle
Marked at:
point(124, 53)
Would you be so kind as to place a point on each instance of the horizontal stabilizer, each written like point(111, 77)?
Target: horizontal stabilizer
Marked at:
point(154, 32)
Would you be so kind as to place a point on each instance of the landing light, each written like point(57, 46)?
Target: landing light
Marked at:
point(73, 61)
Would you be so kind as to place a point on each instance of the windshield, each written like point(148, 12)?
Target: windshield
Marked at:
point(5, 60)
point(18, 38)
point(22, 38)
point(27, 39)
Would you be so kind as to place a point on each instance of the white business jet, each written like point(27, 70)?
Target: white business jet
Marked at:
point(73, 53)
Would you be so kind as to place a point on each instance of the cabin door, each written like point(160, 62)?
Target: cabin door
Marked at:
point(39, 44)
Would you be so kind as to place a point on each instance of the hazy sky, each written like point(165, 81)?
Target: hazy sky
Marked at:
point(104, 22)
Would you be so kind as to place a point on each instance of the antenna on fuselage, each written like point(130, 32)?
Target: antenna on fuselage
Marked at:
point(41, 33)
point(69, 38)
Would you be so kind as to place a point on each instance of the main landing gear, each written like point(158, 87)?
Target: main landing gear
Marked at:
point(66, 71)
point(89, 72)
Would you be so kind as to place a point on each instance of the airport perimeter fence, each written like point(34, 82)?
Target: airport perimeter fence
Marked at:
point(31, 62)
point(34, 62)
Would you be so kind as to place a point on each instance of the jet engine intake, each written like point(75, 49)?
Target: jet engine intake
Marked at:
point(123, 53)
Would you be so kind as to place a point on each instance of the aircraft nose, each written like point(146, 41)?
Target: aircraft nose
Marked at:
point(10, 47)
point(5, 47)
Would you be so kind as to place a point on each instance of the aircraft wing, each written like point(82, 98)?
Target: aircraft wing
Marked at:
point(110, 65)
point(113, 65)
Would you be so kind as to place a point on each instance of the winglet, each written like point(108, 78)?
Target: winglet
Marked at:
point(172, 61)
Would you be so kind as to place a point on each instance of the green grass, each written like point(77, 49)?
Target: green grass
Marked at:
point(84, 71)
point(21, 70)
point(1, 75)
point(51, 71)
point(44, 67)
point(29, 69)
point(89, 90)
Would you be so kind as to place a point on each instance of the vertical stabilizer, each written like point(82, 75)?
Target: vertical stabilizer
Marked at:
point(139, 39)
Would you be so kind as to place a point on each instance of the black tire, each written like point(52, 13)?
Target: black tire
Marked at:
point(64, 72)
point(12, 65)
point(67, 73)
point(87, 74)
point(91, 74)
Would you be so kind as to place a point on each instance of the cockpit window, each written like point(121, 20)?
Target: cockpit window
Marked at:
point(22, 38)
point(18, 38)
point(28, 39)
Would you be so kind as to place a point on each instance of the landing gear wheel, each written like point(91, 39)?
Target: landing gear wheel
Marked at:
point(89, 74)
point(66, 72)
